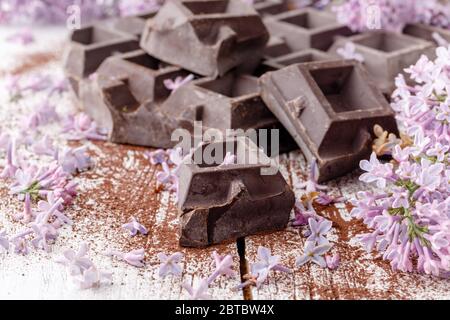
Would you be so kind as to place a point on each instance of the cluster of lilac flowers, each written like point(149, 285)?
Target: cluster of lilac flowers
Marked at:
point(56, 11)
point(410, 218)
point(39, 172)
point(391, 15)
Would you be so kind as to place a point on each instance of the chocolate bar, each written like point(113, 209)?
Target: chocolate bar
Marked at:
point(230, 102)
point(329, 108)
point(386, 54)
point(222, 202)
point(207, 37)
point(126, 96)
point(90, 46)
point(306, 28)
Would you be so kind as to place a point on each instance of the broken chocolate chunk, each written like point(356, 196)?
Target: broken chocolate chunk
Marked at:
point(207, 37)
point(386, 54)
point(222, 202)
point(126, 96)
point(89, 47)
point(230, 102)
point(306, 28)
point(330, 108)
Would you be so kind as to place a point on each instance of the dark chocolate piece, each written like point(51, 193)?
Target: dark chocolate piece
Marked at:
point(330, 109)
point(302, 56)
point(126, 96)
point(306, 28)
point(133, 25)
point(269, 6)
point(207, 37)
point(386, 54)
point(90, 46)
point(425, 32)
point(276, 47)
point(230, 102)
point(220, 203)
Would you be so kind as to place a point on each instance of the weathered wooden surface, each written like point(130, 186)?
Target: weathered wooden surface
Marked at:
point(122, 184)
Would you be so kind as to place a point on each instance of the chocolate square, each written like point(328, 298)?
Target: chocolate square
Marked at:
point(126, 98)
point(386, 54)
point(330, 108)
point(230, 102)
point(220, 203)
point(207, 37)
point(306, 28)
point(90, 46)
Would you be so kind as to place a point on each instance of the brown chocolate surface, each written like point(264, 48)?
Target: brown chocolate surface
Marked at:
point(330, 108)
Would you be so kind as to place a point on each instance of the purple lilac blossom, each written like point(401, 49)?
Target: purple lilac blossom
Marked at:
point(170, 264)
point(134, 227)
point(409, 217)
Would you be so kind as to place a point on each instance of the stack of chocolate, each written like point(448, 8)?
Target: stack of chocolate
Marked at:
point(250, 68)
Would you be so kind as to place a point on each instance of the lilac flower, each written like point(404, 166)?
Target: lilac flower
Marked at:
point(439, 39)
point(439, 151)
point(170, 264)
point(134, 227)
point(4, 241)
point(52, 200)
point(311, 184)
point(82, 127)
point(45, 146)
point(313, 253)
point(179, 81)
point(135, 7)
point(229, 159)
point(92, 278)
point(199, 292)
point(391, 15)
point(223, 267)
point(27, 215)
point(24, 182)
point(430, 177)
point(349, 52)
point(376, 172)
point(74, 160)
point(333, 261)
point(10, 169)
point(302, 214)
point(134, 257)
point(76, 262)
point(325, 199)
point(156, 157)
point(266, 262)
point(23, 37)
point(167, 178)
point(319, 231)
point(20, 245)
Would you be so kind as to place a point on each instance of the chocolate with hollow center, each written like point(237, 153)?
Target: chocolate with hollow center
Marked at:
point(330, 108)
point(230, 102)
point(207, 37)
point(386, 54)
point(220, 203)
point(306, 28)
point(126, 98)
point(90, 46)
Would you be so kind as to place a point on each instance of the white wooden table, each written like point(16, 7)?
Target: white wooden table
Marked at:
point(122, 184)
